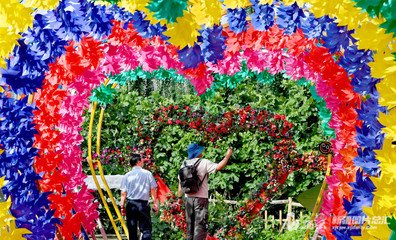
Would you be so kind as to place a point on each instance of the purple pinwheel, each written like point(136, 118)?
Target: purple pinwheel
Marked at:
point(366, 160)
point(314, 27)
point(213, 44)
point(263, 16)
point(363, 83)
point(191, 56)
point(354, 59)
point(29, 206)
point(337, 37)
point(145, 28)
point(289, 17)
point(237, 19)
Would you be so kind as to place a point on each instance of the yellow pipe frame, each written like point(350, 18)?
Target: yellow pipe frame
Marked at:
point(91, 167)
point(315, 210)
point(99, 129)
point(101, 173)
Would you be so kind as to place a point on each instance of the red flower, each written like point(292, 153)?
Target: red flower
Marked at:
point(199, 122)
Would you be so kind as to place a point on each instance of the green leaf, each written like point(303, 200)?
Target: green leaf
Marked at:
point(391, 223)
point(372, 7)
point(103, 95)
point(265, 78)
point(167, 9)
point(309, 197)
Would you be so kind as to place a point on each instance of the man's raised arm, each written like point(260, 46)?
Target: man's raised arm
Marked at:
point(224, 162)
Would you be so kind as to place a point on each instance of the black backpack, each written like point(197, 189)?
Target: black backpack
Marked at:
point(189, 180)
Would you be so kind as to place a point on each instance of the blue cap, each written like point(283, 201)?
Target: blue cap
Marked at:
point(194, 150)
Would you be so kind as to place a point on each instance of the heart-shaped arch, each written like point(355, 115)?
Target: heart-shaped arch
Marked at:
point(275, 127)
point(331, 89)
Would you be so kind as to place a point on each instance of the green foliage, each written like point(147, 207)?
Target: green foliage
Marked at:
point(219, 215)
point(163, 230)
point(247, 167)
point(258, 232)
point(256, 229)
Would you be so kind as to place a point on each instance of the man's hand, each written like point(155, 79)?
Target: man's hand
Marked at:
point(229, 152)
point(123, 200)
point(223, 162)
point(180, 201)
point(155, 206)
point(123, 211)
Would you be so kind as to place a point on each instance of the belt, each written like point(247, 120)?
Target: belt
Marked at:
point(137, 200)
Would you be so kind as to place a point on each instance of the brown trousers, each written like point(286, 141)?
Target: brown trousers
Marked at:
point(197, 218)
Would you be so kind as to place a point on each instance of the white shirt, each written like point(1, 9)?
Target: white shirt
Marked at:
point(137, 184)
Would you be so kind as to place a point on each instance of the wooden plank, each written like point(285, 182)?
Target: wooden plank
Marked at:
point(272, 221)
point(265, 219)
point(289, 212)
point(280, 219)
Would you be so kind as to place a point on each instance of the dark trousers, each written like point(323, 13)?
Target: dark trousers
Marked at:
point(138, 211)
point(197, 218)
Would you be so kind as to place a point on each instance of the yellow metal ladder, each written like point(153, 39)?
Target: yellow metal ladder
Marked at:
point(91, 162)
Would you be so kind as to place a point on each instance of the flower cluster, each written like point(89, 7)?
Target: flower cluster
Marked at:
point(279, 171)
point(113, 155)
point(277, 129)
point(214, 128)
point(117, 159)
point(173, 212)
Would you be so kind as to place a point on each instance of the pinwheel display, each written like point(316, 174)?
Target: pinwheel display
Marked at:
point(55, 53)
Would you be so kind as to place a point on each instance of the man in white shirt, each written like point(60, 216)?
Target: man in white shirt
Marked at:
point(197, 203)
point(136, 187)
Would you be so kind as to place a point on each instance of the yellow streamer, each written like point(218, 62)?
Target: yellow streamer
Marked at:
point(389, 120)
point(16, 17)
point(41, 4)
point(8, 229)
point(384, 202)
point(387, 97)
point(349, 15)
point(184, 31)
point(206, 12)
point(141, 5)
point(237, 3)
point(133, 5)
